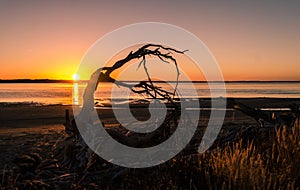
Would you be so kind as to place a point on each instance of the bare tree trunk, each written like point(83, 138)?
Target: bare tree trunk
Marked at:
point(78, 152)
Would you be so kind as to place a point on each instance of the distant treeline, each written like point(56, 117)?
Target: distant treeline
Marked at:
point(71, 81)
point(35, 81)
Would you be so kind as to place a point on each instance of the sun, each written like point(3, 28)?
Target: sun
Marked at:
point(76, 76)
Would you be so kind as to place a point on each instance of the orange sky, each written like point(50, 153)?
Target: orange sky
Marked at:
point(251, 41)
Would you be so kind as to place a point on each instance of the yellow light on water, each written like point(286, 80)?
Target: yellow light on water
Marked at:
point(76, 76)
point(75, 94)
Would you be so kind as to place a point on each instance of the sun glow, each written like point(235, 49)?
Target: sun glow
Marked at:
point(76, 77)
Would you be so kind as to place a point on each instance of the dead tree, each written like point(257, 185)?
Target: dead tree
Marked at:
point(144, 87)
point(165, 55)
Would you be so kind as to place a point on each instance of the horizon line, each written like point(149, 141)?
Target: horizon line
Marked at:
point(195, 81)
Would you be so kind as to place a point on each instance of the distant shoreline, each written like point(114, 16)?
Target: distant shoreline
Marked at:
point(35, 81)
point(71, 81)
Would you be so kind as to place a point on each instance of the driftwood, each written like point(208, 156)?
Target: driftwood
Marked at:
point(144, 87)
point(76, 153)
point(270, 117)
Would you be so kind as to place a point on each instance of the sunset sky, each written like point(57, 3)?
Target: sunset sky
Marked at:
point(253, 40)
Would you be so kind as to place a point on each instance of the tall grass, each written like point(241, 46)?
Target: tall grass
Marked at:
point(272, 164)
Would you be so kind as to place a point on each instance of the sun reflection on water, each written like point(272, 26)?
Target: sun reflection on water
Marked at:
point(75, 93)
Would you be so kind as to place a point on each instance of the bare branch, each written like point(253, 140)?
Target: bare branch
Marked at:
point(148, 88)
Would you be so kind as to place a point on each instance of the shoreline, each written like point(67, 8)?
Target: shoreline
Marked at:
point(71, 81)
point(242, 99)
point(23, 115)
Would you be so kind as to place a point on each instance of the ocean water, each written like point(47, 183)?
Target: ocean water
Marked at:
point(68, 93)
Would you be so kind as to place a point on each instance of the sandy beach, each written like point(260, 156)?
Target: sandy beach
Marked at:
point(23, 127)
point(31, 128)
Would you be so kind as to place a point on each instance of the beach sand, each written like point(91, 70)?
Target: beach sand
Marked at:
point(25, 128)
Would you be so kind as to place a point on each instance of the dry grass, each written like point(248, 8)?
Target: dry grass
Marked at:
point(267, 164)
point(272, 164)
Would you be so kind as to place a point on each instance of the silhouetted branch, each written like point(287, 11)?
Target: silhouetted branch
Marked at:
point(146, 87)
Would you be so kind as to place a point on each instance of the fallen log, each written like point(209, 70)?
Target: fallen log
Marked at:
point(261, 116)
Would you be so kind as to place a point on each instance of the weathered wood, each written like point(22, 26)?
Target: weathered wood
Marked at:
point(262, 116)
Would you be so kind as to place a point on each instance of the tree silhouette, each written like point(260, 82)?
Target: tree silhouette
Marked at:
point(165, 54)
point(103, 74)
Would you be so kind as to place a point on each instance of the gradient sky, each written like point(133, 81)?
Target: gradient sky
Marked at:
point(253, 40)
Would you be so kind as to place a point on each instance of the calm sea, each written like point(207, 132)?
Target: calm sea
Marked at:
point(67, 93)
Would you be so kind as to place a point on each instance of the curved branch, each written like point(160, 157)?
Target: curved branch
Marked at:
point(159, 51)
